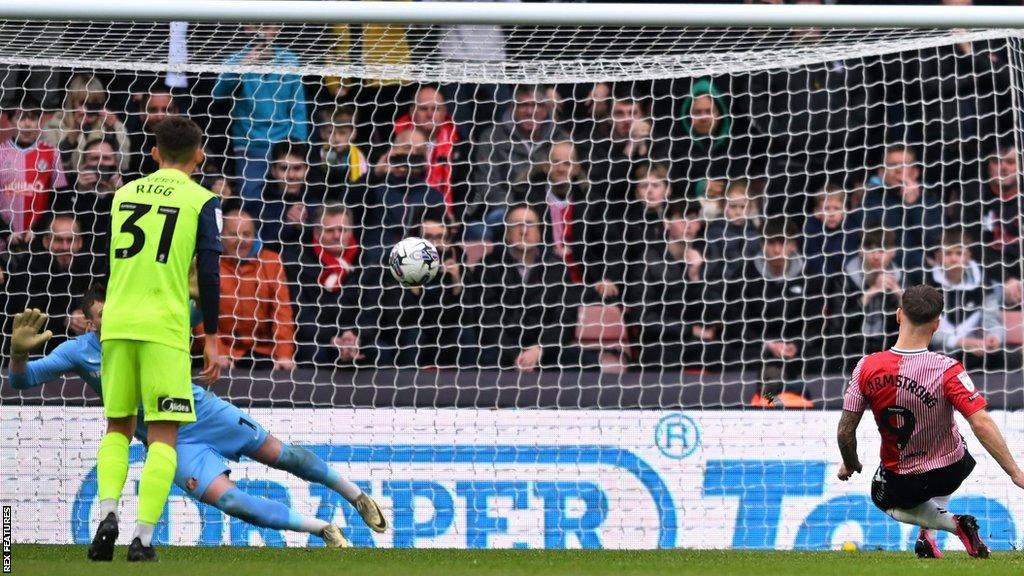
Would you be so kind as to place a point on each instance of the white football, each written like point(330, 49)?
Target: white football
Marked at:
point(414, 261)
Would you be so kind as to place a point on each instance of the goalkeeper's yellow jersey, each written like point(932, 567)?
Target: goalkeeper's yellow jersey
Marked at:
point(155, 225)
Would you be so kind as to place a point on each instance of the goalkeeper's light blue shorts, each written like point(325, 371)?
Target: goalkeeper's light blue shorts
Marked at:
point(221, 432)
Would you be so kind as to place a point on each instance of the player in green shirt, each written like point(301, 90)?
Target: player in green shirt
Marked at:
point(158, 224)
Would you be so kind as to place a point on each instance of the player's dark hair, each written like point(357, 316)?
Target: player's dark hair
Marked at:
point(878, 240)
point(921, 304)
point(177, 139)
point(97, 292)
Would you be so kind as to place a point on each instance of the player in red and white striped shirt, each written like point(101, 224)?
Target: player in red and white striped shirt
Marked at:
point(913, 393)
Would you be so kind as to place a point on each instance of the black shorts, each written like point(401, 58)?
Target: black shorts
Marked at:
point(890, 490)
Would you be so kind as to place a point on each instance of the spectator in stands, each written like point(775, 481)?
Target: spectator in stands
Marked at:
point(592, 116)
point(992, 212)
point(265, 108)
point(611, 161)
point(52, 275)
point(287, 196)
point(962, 98)
point(474, 105)
point(349, 301)
point(897, 200)
point(776, 311)
point(376, 100)
point(708, 142)
point(152, 106)
point(970, 327)
point(344, 162)
point(30, 171)
point(20, 85)
point(864, 301)
point(524, 303)
point(85, 118)
point(815, 117)
point(256, 328)
point(328, 270)
point(831, 234)
point(680, 309)
point(575, 230)
point(429, 114)
point(735, 237)
point(508, 154)
point(404, 200)
point(641, 224)
point(218, 183)
point(431, 316)
point(93, 193)
point(711, 194)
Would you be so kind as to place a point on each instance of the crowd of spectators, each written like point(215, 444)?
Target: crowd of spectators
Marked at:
point(766, 221)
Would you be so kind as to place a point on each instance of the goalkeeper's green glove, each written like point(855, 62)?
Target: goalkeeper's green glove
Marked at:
point(26, 335)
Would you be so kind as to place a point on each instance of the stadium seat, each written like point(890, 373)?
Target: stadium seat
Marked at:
point(600, 326)
point(1013, 321)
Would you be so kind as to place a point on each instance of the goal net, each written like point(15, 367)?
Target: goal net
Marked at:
point(663, 250)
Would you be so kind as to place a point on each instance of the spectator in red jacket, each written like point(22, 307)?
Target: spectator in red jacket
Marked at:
point(429, 113)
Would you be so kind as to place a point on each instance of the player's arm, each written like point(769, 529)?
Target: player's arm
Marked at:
point(208, 250)
point(961, 392)
point(25, 337)
point(854, 405)
point(847, 437)
point(992, 439)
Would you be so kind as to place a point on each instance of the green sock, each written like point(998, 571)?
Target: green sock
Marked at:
point(112, 465)
point(155, 482)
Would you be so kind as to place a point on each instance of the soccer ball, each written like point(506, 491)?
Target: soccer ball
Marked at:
point(414, 261)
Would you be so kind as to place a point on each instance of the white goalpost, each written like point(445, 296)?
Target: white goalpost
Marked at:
point(668, 232)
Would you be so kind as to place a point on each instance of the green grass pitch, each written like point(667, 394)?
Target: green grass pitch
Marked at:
point(181, 561)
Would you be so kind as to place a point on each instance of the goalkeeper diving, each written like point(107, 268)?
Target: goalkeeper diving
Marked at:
point(221, 431)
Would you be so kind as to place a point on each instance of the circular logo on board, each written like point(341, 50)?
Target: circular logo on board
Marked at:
point(677, 436)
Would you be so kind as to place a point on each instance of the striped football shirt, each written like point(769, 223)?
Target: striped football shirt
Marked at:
point(912, 394)
point(27, 178)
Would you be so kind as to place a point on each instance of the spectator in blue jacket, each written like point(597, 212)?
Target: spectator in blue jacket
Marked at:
point(897, 200)
point(831, 234)
point(265, 107)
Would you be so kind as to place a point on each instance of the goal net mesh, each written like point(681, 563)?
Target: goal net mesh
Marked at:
point(648, 236)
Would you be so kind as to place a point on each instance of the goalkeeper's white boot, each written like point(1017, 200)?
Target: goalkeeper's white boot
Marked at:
point(333, 538)
point(371, 513)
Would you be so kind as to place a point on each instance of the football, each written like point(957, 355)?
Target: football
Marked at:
point(414, 261)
